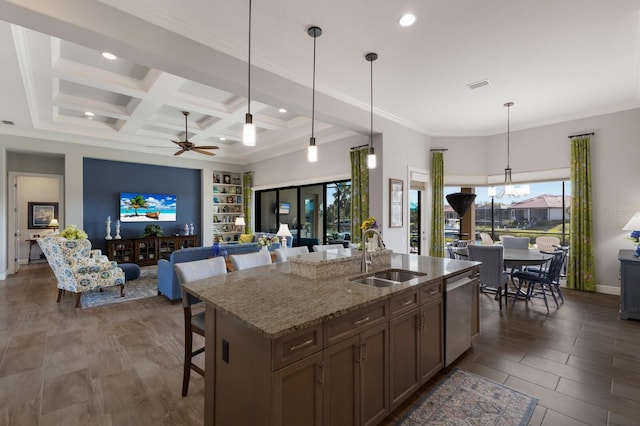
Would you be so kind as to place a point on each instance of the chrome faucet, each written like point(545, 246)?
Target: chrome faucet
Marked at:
point(366, 262)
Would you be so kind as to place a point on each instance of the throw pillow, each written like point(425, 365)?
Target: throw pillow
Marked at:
point(246, 238)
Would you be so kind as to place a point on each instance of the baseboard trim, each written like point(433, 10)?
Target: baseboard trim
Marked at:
point(608, 289)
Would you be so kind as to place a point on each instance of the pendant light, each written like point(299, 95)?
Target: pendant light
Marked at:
point(312, 151)
point(249, 129)
point(371, 157)
point(509, 189)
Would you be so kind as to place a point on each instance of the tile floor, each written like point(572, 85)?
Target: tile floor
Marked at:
point(122, 364)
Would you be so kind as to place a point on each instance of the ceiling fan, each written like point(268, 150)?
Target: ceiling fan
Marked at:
point(187, 145)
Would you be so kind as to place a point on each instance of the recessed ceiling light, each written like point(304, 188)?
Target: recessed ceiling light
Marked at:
point(89, 114)
point(109, 56)
point(282, 110)
point(222, 138)
point(407, 20)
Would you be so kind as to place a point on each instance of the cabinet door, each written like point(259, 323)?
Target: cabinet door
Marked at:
point(298, 392)
point(341, 398)
point(404, 356)
point(431, 339)
point(475, 308)
point(374, 384)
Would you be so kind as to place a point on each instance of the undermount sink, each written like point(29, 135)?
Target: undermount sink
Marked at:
point(387, 278)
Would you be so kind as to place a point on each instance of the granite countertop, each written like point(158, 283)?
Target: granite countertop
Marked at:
point(274, 302)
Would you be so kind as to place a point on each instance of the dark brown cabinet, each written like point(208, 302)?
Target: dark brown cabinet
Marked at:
point(146, 251)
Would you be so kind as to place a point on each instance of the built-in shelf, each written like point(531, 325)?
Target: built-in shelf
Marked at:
point(227, 206)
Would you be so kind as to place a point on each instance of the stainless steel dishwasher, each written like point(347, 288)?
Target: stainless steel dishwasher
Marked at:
point(457, 334)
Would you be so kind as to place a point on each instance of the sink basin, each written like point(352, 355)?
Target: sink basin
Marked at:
point(387, 278)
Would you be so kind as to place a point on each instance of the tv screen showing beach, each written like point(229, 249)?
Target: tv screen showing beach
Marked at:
point(141, 207)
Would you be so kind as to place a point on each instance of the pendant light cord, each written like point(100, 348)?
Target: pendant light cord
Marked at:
point(371, 131)
point(249, 73)
point(313, 89)
point(508, 133)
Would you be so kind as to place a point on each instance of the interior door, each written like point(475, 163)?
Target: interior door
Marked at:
point(16, 227)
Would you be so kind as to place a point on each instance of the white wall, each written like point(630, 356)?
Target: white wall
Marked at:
point(614, 159)
point(33, 189)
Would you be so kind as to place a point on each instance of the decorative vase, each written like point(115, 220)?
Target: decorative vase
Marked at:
point(191, 229)
point(637, 252)
point(265, 248)
point(108, 222)
point(117, 237)
point(215, 249)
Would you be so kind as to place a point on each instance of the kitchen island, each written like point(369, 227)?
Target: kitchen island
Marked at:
point(286, 349)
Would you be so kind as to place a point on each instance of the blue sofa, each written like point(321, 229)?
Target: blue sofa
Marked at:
point(167, 279)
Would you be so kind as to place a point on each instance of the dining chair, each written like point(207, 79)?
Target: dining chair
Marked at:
point(283, 253)
point(186, 272)
point(326, 247)
point(501, 237)
point(546, 279)
point(493, 278)
point(250, 260)
point(549, 244)
point(486, 239)
point(515, 242)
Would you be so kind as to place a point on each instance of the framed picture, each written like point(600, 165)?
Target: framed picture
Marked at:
point(226, 178)
point(395, 203)
point(40, 214)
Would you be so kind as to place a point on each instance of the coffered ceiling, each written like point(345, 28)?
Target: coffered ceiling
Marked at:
point(557, 60)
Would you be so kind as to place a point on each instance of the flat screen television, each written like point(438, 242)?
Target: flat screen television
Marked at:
point(143, 207)
point(284, 208)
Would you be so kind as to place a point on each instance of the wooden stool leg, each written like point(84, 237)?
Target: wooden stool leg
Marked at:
point(188, 346)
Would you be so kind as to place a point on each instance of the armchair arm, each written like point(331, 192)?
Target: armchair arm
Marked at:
point(88, 266)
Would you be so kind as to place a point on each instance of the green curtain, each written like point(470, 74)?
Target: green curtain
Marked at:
point(246, 201)
point(359, 192)
point(437, 206)
point(581, 274)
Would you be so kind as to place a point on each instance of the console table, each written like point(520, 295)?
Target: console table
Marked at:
point(629, 285)
point(146, 251)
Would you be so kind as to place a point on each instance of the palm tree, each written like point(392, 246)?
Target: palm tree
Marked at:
point(136, 203)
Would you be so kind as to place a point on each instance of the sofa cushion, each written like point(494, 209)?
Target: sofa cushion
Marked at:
point(246, 238)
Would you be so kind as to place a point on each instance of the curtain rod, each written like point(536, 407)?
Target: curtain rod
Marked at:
point(584, 134)
point(439, 149)
point(360, 146)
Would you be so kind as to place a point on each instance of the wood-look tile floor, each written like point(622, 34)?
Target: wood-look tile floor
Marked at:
point(122, 364)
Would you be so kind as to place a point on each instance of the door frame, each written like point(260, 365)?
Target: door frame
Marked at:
point(419, 179)
point(13, 234)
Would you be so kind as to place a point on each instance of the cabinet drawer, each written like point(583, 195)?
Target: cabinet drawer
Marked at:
point(297, 345)
point(352, 323)
point(430, 292)
point(403, 302)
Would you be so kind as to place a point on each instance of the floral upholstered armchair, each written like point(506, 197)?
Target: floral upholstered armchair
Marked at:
point(78, 268)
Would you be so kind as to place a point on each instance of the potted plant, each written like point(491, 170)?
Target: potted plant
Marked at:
point(152, 230)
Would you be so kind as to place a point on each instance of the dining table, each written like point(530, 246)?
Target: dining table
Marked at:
point(515, 259)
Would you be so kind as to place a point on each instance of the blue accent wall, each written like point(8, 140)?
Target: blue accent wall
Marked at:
point(104, 181)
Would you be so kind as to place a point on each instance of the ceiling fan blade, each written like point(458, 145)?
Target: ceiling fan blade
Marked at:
point(176, 142)
point(208, 147)
point(180, 152)
point(203, 152)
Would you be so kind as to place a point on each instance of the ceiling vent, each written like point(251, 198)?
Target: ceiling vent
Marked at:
point(478, 84)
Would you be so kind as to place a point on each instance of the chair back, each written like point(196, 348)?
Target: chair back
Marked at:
point(486, 239)
point(552, 275)
point(501, 237)
point(326, 247)
point(250, 260)
point(492, 258)
point(549, 244)
point(283, 253)
point(515, 242)
point(197, 270)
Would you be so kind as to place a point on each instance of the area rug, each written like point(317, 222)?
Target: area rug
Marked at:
point(464, 398)
point(146, 285)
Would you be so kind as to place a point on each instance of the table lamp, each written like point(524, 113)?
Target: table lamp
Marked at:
point(634, 226)
point(240, 223)
point(283, 233)
point(54, 224)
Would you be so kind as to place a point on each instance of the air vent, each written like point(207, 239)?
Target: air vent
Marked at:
point(478, 84)
point(7, 122)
